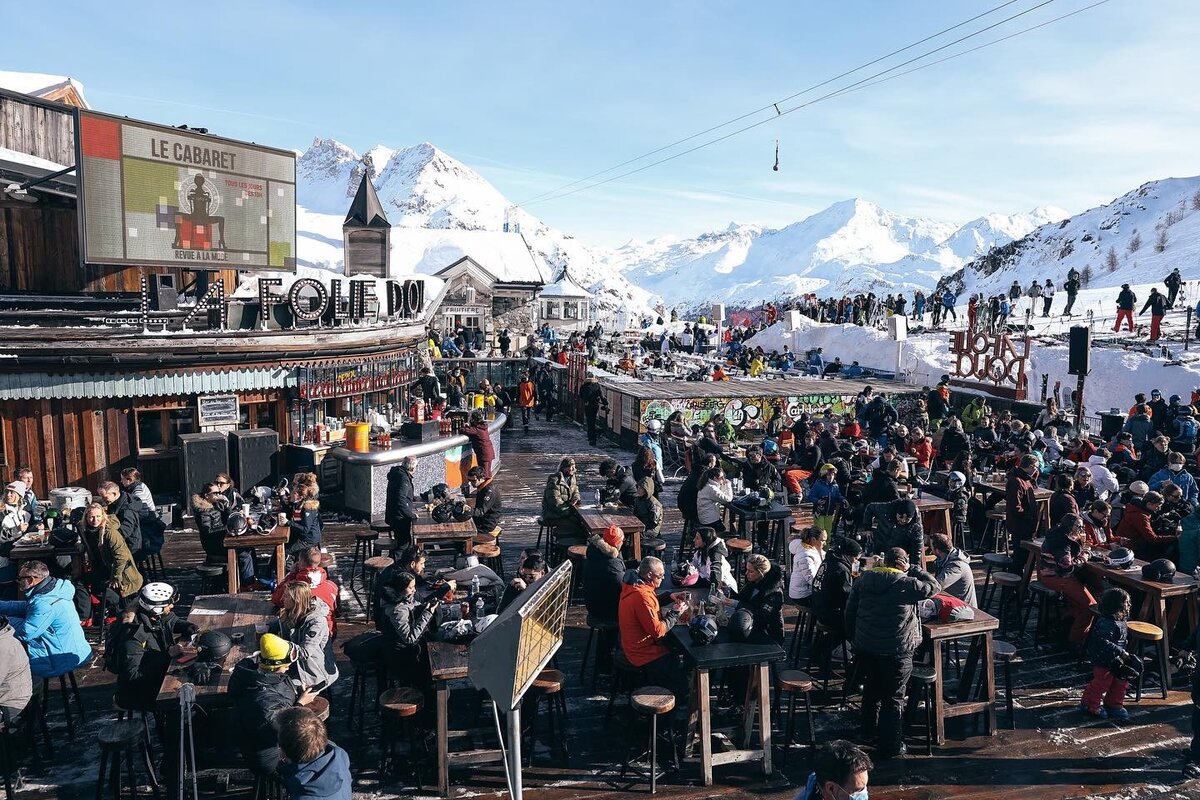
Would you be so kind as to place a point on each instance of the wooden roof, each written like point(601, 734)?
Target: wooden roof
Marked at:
point(771, 387)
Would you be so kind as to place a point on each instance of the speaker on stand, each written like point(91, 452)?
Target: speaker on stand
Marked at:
point(254, 458)
point(201, 457)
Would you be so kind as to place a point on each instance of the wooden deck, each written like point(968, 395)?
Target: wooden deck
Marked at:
point(1054, 752)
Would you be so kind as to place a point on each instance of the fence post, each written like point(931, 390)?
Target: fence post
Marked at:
point(1187, 332)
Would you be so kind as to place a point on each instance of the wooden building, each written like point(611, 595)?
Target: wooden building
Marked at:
point(490, 297)
point(565, 305)
point(105, 367)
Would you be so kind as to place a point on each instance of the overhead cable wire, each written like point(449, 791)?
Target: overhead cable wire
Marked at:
point(814, 101)
point(774, 105)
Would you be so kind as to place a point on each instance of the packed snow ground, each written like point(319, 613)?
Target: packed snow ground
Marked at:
point(1117, 374)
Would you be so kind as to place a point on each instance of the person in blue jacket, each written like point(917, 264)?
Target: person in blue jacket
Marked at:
point(312, 766)
point(948, 301)
point(47, 623)
point(1176, 474)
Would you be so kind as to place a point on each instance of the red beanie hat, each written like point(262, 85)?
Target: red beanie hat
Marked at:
point(614, 537)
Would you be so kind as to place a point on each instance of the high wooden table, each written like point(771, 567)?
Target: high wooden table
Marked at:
point(988, 488)
point(277, 538)
point(935, 516)
point(979, 631)
point(598, 520)
point(46, 553)
point(744, 524)
point(230, 614)
point(720, 654)
point(1162, 603)
point(448, 662)
point(461, 534)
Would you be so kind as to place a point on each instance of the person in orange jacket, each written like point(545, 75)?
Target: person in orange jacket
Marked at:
point(643, 625)
point(527, 398)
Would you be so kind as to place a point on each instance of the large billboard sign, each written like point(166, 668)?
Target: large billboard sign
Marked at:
point(165, 197)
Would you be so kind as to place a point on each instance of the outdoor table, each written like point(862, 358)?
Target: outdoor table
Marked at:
point(721, 654)
point(448, 662)
point(48, 553)
point(229, 614)
point(1041, 495)
point(458, 533)
point(597, 520)
point(1162, 603)
point(979, 631)
point(777, 516)
point(277, 538)
point(935, 516)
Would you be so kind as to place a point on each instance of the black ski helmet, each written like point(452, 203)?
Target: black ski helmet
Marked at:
point(1161, 570)
point(213, 646)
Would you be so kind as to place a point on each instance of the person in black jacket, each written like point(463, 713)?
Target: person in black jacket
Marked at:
point(897, 525)
point(211, 510)
point(140, 646)
point(486, 513)
point(762, 596)
point(400, 508)
point(533, 568)
point(953, 444)
point(831, 589)
point(603, 568)
point(260, 689)
point(405, 619)
point(884, 485)
point(1157, 304)
point(592, 397)
point(701, 463)
point(883, 622)
point(619, 485)
point(1126, 300)
point(127, 509)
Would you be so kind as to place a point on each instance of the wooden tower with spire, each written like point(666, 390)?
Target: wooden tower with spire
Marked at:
point(366, 234)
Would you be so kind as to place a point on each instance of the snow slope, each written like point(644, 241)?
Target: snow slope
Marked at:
point(854, 245)
point(441, 210)
point(1115, 243)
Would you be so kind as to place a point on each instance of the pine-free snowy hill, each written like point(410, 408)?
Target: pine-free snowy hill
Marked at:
point(1137, 239)
point(440, 210)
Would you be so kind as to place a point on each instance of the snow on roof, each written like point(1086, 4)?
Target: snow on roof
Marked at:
point(565, 287)
point(504, 256)
point(38, 84)
point(14, 157)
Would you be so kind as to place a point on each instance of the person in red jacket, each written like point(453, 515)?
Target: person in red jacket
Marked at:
point(920, 447)
point(1022, 515)
point(850, 428)
point(477, 431)
point(1136, 526)
point(643, 624)
point(308, 570)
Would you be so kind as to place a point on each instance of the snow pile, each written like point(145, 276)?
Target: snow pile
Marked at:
point(1117, 375)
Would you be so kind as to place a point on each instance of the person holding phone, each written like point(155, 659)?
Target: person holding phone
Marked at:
point(405, 620)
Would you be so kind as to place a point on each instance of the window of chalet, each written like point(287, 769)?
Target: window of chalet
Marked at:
point(158, 429)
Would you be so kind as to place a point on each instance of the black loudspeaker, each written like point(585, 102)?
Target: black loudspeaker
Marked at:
point(1110, 425)
point(201, 457)
point(1080, 360)
point(254, 458)
point(164, 295)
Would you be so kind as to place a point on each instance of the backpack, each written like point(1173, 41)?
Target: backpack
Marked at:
point(1186, 428)
point(83, 602)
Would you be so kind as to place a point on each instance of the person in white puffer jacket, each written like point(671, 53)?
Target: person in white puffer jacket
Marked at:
point(1102, 477)
point(808, 552)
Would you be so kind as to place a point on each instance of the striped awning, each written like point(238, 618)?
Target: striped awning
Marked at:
point(46, 386)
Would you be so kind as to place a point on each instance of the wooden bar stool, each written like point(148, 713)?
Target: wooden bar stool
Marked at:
point(152, 567)
point(993, 562)
point(1044, 597)
point(624, 679)
point(489, 556)
point(652, 702)
point(6, 761)
point(1007, 655)
point(997, 528)
point(686, 538)
point(549, 685)
point(1140, 635)
point(121, 738)
point(365, 668)
point(66, 696)
point(738, 550)
point(921, 687)
point(793, 682)
point(397, 710)
point(363, 547)
point(212, 578)
point(802, 632)
point(1009, 584)
point(603, 627)
point(371, 569)
point(576, 553)
point(544, 529)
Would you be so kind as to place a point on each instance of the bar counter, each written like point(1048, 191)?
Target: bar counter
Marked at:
point(445, 459)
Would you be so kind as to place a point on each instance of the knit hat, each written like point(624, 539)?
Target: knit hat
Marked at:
point(273, 651)
point(17, 486)
point(613, 537)
point(1138, 488)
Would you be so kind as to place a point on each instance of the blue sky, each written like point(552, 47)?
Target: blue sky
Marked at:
point(534, 95)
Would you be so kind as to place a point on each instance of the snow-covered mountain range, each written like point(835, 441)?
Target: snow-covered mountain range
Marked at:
point(441, 209)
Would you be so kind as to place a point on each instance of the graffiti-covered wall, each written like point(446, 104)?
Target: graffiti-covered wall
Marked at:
point(744, 413)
